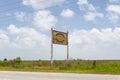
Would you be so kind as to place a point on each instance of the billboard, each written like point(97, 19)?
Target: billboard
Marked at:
point(59, 37)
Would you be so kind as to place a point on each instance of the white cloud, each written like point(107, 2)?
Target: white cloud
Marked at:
point(84, 44)
point(2, 31)
point(28, 43)
point(91, 16)
point(114, 18)
point(67, 13)
point(114, 1)
point(4, 39)
point(44, 20)
point(23, 16)
point(96, 36)
point(20, 16)
point(42, 4)
point(91, 11)
point(113, 13)
point(81, 2)
point(85, 5)
point(95, 43)
point(13, 29)
point(114, 8)
point(26, 37)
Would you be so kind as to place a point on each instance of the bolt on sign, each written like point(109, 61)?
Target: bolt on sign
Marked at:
point(59, 37)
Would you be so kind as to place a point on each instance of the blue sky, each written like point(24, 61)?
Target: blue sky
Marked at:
point(93, 27)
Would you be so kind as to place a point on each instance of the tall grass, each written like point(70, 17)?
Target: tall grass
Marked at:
point(80, 66)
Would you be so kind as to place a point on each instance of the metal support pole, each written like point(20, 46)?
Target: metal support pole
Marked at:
point(51, 54)
point(51, 47)
point(67, 49)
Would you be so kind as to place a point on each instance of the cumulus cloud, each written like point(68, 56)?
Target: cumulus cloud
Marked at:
point(114, 18)
point(94, 36)
point(114, 1)
point(95, 43)
point(23, 16)
point(20, 16)
point(42, 4)
point(114, 8)
point(26, 37)
point(84, 44)
point(67, 13)
point(81, 2)
point(91, 11)
point(24, 41)
point(2, 31)
point(4, 39)
point(13, 29)
point(91, 16)
point(85, 5)
point(113, 13)
point(44, 20)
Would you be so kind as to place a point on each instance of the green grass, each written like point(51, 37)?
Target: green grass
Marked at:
point(76, 66)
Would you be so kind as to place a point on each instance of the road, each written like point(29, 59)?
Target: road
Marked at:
point(13, 75)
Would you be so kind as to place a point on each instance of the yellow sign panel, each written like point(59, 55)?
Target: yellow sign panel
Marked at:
point(59, 38)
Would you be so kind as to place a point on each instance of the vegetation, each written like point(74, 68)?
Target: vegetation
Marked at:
point(78, 66)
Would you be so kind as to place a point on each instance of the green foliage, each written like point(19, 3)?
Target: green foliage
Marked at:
point(17, 60)
point(4, 63)
point(5, 59)
point(14, 63)
point(84, 66)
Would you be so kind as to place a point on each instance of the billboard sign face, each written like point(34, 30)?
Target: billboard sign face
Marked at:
point(59, 37)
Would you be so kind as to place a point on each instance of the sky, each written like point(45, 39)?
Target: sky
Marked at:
point(93, 26)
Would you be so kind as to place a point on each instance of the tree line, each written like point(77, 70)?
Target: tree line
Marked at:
point(10, 63)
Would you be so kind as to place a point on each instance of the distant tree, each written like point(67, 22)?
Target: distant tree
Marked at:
point(5, 59)
point(4, 62)
point(17, 60)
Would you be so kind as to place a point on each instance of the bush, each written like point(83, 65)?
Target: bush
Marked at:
point(16, 62)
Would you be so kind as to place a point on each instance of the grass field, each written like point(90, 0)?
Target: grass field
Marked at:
point(77, 66)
